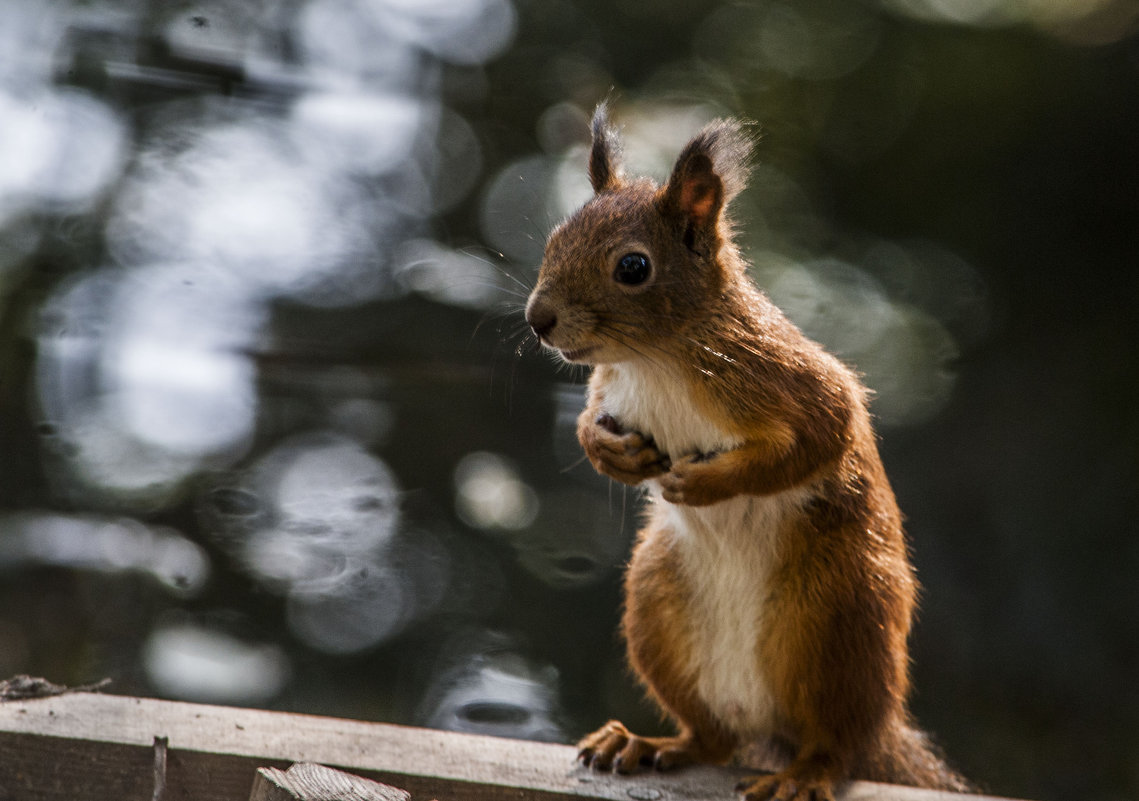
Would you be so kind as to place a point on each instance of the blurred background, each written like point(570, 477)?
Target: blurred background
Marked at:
point(273, 433)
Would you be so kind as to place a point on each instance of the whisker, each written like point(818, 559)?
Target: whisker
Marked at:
point(514, 293)
point(573, 465)
point(641, 349)
point(524, 288)
point(529, 344)
point(620, 331)
point(624, 510)
point(503, 313)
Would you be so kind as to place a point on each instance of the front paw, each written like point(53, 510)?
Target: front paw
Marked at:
point(627, 456)
point(613, 747)
point(696, 480)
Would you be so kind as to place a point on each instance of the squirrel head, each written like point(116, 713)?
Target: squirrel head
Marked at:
point(639, 264)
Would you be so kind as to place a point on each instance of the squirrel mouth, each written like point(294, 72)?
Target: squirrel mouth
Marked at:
point(577, 355)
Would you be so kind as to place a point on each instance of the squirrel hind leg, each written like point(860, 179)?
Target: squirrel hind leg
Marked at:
point(779, 788)
point(767, 755)
point(787, 785)
point(808, 778)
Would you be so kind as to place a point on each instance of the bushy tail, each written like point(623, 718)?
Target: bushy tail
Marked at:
point(908, 756)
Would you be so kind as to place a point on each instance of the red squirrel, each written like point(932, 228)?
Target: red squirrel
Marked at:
point(770, 594)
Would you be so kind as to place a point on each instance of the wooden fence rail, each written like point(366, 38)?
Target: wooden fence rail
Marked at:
point(88, 746)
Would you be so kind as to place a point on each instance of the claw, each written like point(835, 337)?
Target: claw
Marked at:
point(746, 782)
point(609, 423)
point(627, 456)
point(782, 787)
point(615, 747)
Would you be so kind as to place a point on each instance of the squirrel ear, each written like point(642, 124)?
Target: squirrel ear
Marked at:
point(604, 155)
point(710, 171)
point(695, 189)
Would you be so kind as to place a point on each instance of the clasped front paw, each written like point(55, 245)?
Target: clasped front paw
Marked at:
point(627, 456)
point(695, 480)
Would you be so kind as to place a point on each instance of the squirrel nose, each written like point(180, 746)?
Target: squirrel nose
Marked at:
point(541, 318)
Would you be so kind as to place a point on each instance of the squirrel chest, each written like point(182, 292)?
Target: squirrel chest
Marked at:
point(723, 554)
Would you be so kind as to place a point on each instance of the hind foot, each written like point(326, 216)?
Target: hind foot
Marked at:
point(787, 785)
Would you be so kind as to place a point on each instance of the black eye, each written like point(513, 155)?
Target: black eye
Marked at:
point(632, 269)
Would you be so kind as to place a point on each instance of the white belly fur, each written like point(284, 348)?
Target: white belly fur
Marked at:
point(649, 400)
point(726, 550)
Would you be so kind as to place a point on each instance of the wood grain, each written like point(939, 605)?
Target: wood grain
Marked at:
point(306, 781)
point(84, 746)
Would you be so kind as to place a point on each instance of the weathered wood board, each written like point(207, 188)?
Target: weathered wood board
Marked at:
point(84, 746)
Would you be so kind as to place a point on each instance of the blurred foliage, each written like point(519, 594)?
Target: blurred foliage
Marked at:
point(274, 434)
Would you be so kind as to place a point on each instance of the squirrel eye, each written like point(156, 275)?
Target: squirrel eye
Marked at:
point(632, 269)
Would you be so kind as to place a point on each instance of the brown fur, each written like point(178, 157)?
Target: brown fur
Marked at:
point(725, 399)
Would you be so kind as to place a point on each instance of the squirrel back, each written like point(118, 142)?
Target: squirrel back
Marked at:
point(770, 595)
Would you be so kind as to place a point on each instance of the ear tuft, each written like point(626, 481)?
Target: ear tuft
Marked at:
point(605, 154)
point(710, 171)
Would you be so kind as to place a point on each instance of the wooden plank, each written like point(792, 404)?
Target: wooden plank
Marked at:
point(305, 781)
point(83, 746)
point(160, 746)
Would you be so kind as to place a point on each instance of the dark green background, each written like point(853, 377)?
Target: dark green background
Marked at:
point(1009, 144)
